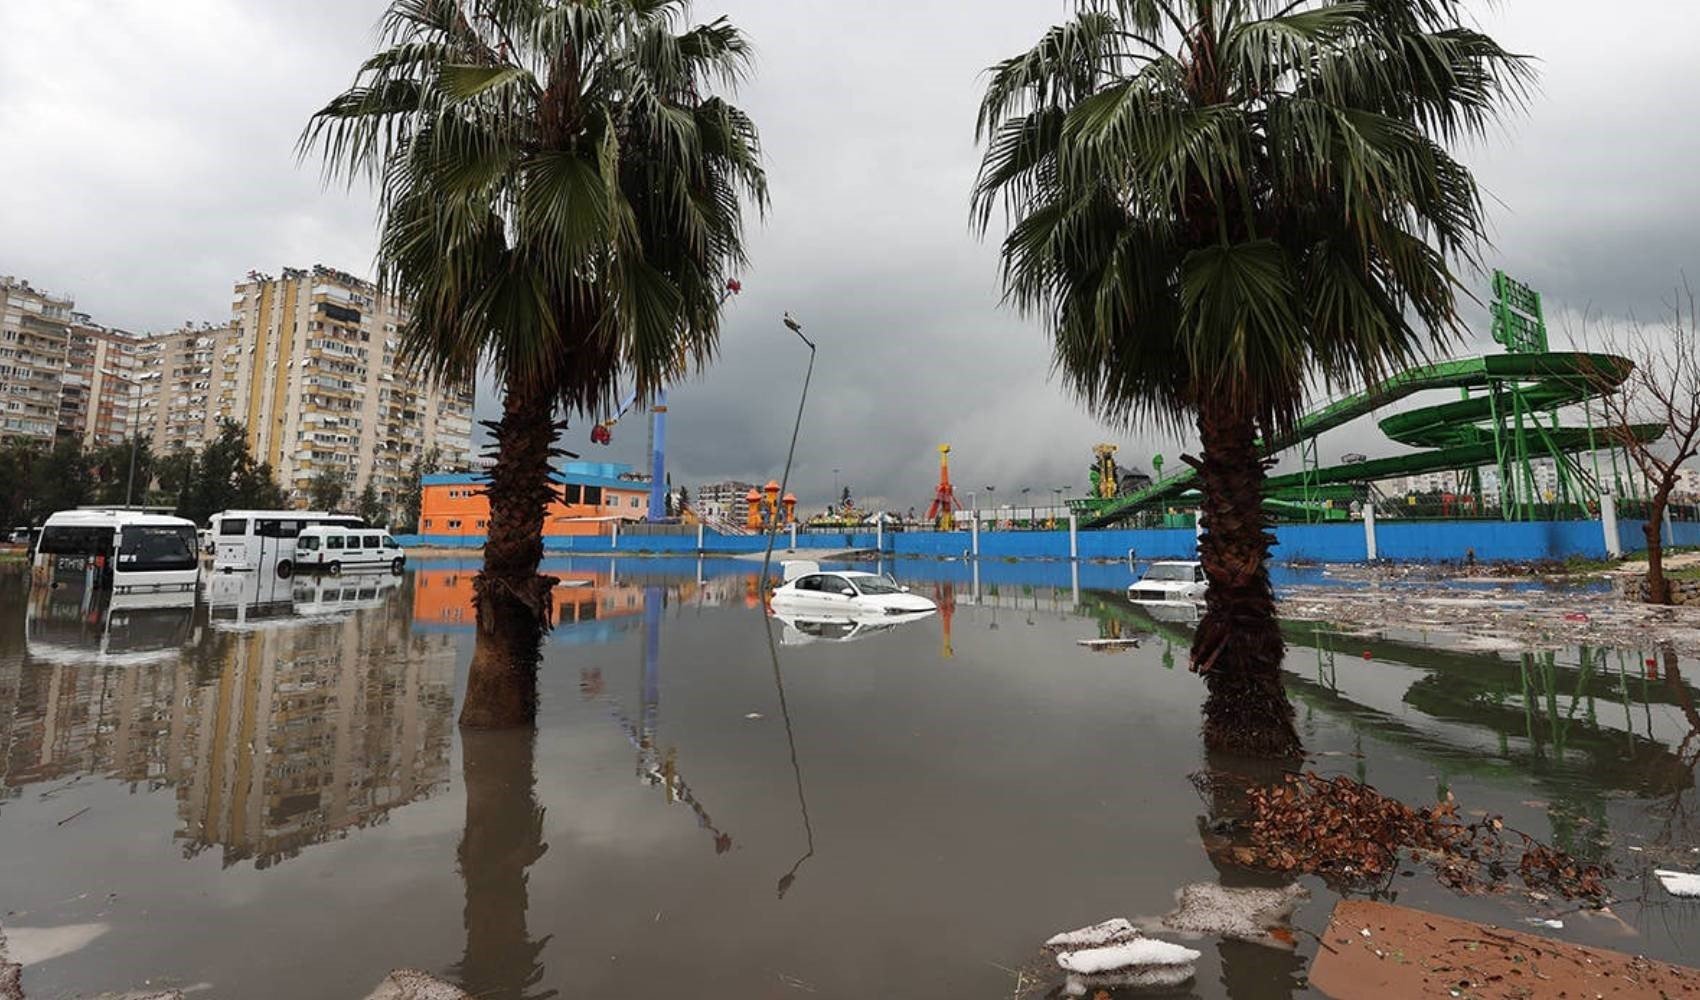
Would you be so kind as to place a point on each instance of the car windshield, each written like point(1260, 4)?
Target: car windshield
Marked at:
point(877, 585)
point(1179, 572)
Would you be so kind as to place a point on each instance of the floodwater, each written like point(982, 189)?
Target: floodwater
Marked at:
point(262, 793)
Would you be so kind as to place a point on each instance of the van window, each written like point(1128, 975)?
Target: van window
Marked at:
point(277, 528)
point(233, 526)
point(75, 541)
point(333, 541)
point(308, 544)
point(390, 543)
point(371, 542)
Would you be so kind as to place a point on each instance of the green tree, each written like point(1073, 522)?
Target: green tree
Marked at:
point(325, 490)
point(369, 507)
point(62, 477)
point(413, 491)
point(1217, 206)
point(561, 197)
point(114, 478)
point(224, 476)
point(177, 473)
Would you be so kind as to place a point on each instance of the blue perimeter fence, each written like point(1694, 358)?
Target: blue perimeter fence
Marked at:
point(1344, 542)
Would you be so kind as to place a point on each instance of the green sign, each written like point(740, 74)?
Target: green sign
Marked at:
point(1518, 322)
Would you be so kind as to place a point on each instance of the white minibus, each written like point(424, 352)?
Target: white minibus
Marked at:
point(123, 549)
point(265, 539)
point(331, 550)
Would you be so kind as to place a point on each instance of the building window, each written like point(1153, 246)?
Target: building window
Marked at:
point(454, 524)
point(427, 522)
point(482, 524)
point(634, 501)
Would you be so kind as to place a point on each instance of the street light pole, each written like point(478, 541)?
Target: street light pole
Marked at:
point(135, 440)
point(785, 479)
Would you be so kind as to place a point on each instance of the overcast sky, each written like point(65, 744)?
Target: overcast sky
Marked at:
point(148, 164)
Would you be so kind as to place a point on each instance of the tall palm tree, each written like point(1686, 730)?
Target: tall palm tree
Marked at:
point(561, 195)
point(1218, 206)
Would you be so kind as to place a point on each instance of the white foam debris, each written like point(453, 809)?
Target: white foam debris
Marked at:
point(1684, 884)
point(1129, 955)
point(33, 945)
point(1112, 931)
point(411, 984)
point(1159, 977)
point(1243, 914)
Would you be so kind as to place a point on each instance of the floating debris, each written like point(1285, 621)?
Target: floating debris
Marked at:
point(754, 716)
point(1681, 884)
point(1126, 956)
point(1260, 916)
point(1345, 830)
point(1107, 645)
point(1113, 931)
point(1115, 955)
point(411, 984)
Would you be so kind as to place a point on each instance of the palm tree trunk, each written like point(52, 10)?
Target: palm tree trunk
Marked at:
point(1238, 646)
point(513, 601)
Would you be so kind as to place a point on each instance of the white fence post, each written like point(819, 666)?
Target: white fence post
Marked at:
point(1073, 536)
point(1608, 522)
point(974, 526)
point(879, 533)
point(1670, 530)
point(616, 524)
point(699, 536)
point(793, 536)
point(1370, 551)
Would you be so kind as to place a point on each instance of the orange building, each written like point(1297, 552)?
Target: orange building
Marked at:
point(588, 496)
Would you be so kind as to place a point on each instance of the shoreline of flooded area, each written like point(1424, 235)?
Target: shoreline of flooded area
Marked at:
point(260, 791)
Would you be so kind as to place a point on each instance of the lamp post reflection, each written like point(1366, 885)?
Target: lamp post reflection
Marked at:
point(790, 877)
point(503, 837)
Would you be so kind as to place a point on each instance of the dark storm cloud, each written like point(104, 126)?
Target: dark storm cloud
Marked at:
point(149, 163)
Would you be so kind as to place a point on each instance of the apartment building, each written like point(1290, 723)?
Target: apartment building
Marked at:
point(722, 501)
point(99, 401)
point(175, 373)
point(35, 332)
point(311, 367)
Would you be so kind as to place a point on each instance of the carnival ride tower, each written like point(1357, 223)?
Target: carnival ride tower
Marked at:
point(943, 510)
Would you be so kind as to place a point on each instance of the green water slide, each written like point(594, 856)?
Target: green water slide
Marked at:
point(1506, 417)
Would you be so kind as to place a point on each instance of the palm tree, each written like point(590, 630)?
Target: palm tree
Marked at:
point(561, 197)
point(1219, 206)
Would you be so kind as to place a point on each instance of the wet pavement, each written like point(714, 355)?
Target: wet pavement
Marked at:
point(262, 791)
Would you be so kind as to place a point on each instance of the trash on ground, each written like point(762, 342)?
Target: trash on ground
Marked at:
point(754, 715)
point(1127, 955)
point(1682, 884)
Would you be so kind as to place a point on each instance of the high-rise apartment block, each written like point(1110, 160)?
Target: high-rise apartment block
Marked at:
point(311, 367)
point(100, 402)
point(35, 330)
point(308, 365)
point(723, 502)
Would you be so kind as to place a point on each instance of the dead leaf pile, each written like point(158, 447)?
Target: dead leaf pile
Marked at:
point(1347, 831)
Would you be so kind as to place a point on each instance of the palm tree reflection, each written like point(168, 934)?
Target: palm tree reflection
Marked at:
point(502, 839)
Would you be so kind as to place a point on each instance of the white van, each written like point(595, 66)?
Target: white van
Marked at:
point(331, 549)
point(264, 540)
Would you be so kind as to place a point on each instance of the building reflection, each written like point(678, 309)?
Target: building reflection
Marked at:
point(275, 731)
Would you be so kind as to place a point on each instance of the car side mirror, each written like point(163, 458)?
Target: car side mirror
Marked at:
point(848, 592)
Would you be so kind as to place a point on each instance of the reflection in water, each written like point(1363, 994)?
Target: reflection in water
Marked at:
point(503, 837)
point(786, 880)
point(281, 733)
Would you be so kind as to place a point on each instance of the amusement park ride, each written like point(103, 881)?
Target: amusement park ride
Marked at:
point(1506, 419)
point(942, 511)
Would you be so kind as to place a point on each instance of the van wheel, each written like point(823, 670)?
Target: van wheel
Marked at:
point(335, 569)
point(285, 569)
point(396, 565)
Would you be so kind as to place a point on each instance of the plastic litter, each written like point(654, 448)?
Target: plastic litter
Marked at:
point(1683, 884)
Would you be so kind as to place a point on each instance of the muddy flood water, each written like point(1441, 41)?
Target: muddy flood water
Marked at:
point(260, 792)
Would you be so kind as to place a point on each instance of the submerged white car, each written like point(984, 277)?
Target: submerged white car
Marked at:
point(846, 593)
point(1169, 583)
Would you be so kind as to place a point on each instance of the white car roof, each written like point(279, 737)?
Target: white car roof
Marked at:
point(1177, 562)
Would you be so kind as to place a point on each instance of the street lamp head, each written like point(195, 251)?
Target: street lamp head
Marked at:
point(792, 324)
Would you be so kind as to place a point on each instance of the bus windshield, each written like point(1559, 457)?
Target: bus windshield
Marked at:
point(147, 549)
